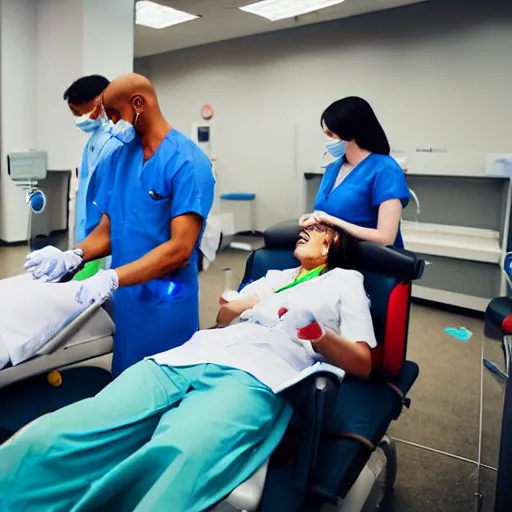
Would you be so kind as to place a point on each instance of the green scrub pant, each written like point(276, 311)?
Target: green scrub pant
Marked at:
point(157, 439)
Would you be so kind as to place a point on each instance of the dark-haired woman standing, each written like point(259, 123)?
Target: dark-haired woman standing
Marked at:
point(363, 191)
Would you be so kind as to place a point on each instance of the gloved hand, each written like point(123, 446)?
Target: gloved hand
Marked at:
point(98, 288)
point(50, 264)
point(302, 326)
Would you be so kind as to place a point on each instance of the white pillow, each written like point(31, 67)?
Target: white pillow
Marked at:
point(32, 313)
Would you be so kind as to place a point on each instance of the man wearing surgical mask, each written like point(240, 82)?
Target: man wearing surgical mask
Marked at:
point(84, 100)
point(157, 190)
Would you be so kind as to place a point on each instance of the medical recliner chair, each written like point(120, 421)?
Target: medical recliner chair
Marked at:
point(336, 455)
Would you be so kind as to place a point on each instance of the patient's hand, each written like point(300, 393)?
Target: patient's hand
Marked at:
point(229, 296)
point(302, 326)
point(230, 310)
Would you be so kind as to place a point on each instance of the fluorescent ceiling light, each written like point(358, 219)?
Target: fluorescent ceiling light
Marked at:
point(151, 14)
point(275, 10)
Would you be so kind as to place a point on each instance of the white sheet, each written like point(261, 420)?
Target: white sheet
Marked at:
point(31, 314)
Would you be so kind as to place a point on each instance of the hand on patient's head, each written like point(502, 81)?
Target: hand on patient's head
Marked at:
point(307, 220)
point(316, 217)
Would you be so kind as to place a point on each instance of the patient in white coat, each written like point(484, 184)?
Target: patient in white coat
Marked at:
point(32, 313)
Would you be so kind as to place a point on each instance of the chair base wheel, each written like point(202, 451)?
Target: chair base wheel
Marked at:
point(383, 464)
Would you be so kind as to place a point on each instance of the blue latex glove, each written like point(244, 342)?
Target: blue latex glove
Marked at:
point(50, 264)
point(98, 288)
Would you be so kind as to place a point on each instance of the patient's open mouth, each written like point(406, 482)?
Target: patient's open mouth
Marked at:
point(303, 238)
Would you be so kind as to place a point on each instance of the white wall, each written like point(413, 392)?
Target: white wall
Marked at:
point(438, 74)
point(59, 61)
point(76, 38)
point(18, 27)
point(45, 46)
point(113, 17)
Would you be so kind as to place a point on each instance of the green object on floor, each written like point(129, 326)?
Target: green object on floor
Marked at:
point(90, 269)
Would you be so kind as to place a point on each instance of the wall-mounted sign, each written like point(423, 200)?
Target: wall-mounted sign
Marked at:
point(207, 112)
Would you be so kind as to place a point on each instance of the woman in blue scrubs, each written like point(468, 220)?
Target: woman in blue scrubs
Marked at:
point(364, 190)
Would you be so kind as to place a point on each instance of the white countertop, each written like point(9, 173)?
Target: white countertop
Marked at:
point(459, 242)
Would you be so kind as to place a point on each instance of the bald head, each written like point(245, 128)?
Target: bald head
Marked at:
point(132, 97)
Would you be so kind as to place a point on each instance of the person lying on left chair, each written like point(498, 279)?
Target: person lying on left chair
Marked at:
point(184, 428)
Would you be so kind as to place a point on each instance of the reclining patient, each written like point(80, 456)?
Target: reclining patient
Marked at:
point(179, 431)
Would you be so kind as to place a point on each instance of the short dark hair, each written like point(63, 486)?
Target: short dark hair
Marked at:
point(85, 89)
point(353, 118)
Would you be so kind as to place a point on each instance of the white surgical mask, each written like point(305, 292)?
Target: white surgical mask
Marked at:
point(124, 131)
point(88, 125)
point(336, 148)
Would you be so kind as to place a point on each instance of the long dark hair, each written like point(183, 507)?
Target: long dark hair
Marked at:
point(353, 118)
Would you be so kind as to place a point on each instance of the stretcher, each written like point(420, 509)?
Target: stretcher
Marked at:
point(336, 455)
point(87, 337)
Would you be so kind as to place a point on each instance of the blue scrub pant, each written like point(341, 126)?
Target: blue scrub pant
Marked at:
point(156, 439)
point(147, 325)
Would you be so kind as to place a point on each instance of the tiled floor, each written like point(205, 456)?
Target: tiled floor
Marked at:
point(444, 412)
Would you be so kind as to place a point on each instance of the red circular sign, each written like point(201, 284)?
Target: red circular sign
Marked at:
point(207, 112)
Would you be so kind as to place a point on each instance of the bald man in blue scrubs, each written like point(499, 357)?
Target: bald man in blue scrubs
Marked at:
point(155, 198)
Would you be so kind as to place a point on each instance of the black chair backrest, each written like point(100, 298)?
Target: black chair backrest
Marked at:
point(388, 275)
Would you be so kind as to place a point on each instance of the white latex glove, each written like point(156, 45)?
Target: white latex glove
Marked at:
point(302, 326)
point(98, 288)
point(51, 264)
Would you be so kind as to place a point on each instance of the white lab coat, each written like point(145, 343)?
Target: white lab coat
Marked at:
point(338, 300)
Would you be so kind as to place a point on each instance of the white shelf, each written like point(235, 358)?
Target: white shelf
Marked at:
point(452, 175)
point(458, 242)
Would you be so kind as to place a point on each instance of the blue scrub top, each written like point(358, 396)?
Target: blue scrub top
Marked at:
point(141, 198)
point(99, 147)
point(376, 179)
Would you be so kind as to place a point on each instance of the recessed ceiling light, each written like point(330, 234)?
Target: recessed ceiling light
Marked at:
point(275, 10)
point(151, 14)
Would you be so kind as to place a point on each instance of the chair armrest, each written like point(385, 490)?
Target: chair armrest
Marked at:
point(327, 387)
point(320, 392)
point(314, 400)
point(498, 317)
point(247, 496)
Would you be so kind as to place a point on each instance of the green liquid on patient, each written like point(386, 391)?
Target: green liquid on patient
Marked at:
point(90, 269)
point(304, 275)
